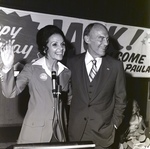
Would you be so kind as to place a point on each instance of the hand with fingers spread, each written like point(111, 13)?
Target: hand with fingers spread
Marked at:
point(7, 54)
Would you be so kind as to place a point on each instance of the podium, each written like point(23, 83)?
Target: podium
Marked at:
point(55, 145)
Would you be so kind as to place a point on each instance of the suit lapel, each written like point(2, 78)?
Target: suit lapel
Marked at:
point(64, 77)
point(82, 74)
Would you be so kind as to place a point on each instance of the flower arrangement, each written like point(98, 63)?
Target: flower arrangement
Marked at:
point(135, 137)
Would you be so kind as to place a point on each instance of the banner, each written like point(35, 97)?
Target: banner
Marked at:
point(131, 44)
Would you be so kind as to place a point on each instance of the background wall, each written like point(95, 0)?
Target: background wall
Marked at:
point(128, 12)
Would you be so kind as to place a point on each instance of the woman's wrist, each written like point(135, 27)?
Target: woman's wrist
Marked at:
point(5, 69)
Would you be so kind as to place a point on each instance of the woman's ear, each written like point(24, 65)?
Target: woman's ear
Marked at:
point(45, 48)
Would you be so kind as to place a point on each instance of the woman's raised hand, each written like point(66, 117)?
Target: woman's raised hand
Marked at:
point(7, 54)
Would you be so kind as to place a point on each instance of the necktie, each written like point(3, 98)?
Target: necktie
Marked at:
point(93, 71)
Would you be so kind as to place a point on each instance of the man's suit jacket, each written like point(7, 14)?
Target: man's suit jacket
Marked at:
point(40, 110)
point(101, 105)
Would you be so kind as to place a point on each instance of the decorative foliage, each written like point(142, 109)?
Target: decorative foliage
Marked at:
point(137, 135)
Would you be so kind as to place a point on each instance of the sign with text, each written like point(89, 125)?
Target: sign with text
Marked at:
point(129, 44)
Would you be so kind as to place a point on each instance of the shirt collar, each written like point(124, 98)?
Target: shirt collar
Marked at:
point(89, 58)
point(42, 62)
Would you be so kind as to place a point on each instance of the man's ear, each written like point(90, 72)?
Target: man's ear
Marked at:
point(86, 39)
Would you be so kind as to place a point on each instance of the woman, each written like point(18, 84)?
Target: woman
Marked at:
point(38, 125)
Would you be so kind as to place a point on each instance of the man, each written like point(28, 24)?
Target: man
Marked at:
point(99, 92)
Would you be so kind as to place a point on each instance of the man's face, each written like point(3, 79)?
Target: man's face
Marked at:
point(97, 40)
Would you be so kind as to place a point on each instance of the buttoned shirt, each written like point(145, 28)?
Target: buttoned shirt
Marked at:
point(88, 62)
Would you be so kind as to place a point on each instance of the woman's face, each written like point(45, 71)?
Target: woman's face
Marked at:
point(56, 47)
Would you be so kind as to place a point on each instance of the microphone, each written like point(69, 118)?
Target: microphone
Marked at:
point(54, 90)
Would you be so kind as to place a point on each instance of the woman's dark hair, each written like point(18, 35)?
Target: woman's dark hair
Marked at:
point(43, 36)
